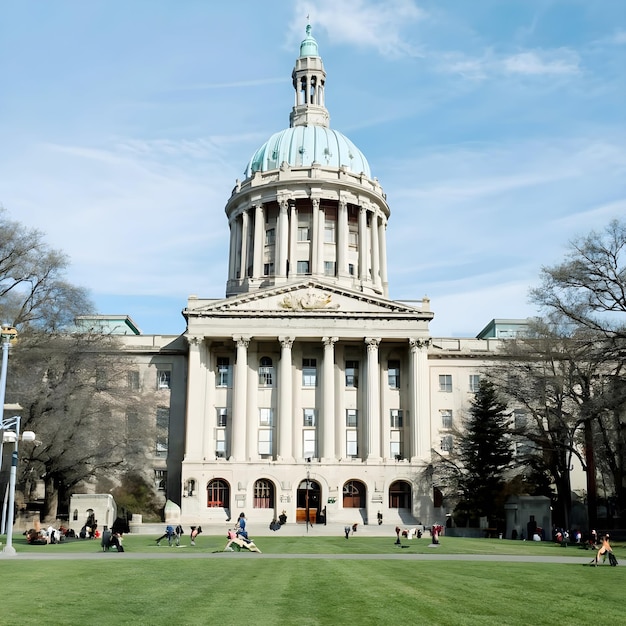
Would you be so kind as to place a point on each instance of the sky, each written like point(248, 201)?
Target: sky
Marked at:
point(497, 129)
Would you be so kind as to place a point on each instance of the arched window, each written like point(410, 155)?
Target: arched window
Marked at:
point(266, 372)
point(354, 495)
point(263, 494)
point(400, 495)
point(218, 494)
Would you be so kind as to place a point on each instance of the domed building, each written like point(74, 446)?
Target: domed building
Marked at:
point(308, 387)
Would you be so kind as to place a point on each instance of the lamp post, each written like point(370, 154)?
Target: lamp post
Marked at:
point(12, 436)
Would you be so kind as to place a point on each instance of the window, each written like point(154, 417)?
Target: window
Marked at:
point(474, 382)
point(353, 238)
point(102, 380)
point(395, 444)
point(352, 373)
point(303, 233)
point(133, 380)
point(268, 269)
point(309, 372)
point(308, 444)
point(351, 269)
point(329, 268)
point(519, 419)
point(270, 237)
point(309, 417)
point(446, 418)
point(266, 417)
point(396, 418)
point(164, 379)
point(223, 371)
point(352, 418)
point(163, 417)
point(445, 382)
point(266, 372)
point(329, 231)
point(161, 447)
point(265, 442)
point(263, 494)
point(133, 428)
point(352, 449)
point(393, 374)
point(222, 417)
point(302, 267)
point(220, 443)
point(446, 443)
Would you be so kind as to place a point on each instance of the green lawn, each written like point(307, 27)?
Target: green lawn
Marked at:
point(247, 589)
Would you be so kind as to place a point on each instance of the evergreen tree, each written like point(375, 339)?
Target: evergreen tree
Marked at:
point(485, 452)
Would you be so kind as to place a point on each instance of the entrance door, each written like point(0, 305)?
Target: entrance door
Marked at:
point(308, 501)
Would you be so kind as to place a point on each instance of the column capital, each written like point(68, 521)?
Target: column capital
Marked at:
point(286, 342)
point(420, 343)
point(241, 341)
point(315, 202)
point(329, 341)
point(372, 343)
point(194, 340)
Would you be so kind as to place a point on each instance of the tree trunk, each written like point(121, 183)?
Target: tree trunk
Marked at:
point(51, 501)
point(592, 490)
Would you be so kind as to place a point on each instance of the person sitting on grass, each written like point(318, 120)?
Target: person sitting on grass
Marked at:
point(234, 538)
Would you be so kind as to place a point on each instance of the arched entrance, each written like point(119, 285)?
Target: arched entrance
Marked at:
point(400, 495)
point(308, 501)
point(218, 494)
point(354, 495)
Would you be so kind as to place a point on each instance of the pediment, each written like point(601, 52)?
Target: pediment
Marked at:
point(306, 298)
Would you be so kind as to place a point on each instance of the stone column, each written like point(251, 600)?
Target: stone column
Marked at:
point(342, 239)
point(285, 406)
point(238, 435)
point(375, 251)
point(418, 403)
point(197, 426)
point(293, 240)
point(363, 245)
point(252, 408)
point(259, 241)
point(232, 264)
point(315, 234)
point(327, 442)
point(282, 239)
point(243, 272)
point(372, 416)
point(382, 240)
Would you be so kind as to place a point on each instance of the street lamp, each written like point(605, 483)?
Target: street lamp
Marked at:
point(12, 436)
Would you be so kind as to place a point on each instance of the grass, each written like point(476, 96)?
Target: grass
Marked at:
point(247, 589)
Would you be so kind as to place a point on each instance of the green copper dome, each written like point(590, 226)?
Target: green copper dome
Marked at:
point(308, 47)
point(300, 146)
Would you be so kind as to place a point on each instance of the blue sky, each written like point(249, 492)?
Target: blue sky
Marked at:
point(497, 129)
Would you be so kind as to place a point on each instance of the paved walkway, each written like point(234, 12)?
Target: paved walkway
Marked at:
point(189, 553)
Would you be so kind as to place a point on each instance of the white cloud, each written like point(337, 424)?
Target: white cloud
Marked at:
point(560, 61)
point(554, 62)
point(363, 23)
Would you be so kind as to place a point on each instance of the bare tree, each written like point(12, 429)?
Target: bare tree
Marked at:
point(589, 287)
point(72, 386)
point(33, 289)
